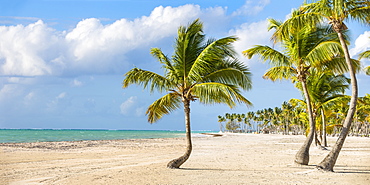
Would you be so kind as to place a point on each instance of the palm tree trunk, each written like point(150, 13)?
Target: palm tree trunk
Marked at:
point(324, 142)
point(176, 163)
point(303, 155)
point(317, 142)
point(327, 164)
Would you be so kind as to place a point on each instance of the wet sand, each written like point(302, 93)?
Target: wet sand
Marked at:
point(227, 159)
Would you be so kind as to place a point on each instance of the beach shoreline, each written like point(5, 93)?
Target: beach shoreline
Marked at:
point(226, 159)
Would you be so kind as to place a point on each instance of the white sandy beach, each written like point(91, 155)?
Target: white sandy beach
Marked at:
point(230, 159)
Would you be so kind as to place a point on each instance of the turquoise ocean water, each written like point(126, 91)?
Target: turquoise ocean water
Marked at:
point(43, 135)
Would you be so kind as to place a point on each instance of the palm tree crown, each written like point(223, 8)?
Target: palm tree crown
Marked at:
point(204, 71)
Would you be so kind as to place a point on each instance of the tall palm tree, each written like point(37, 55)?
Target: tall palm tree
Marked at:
point(207, 71)
point(304, 49)
point(336, 12)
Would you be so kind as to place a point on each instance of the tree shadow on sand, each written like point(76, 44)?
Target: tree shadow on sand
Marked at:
point(352, 169)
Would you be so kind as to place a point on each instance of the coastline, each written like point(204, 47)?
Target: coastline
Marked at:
point(226, 159)
point(50, 135)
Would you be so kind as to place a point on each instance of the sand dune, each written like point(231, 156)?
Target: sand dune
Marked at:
point(228, 159)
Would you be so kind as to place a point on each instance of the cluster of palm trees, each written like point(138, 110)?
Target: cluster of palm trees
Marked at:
point(313, 42)
point(291, 118)
point(288, 119)
point(236, 123)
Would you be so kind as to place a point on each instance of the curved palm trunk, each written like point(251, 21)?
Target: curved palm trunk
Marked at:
point(176, 163)
point(324, 142)
point(327, 164)
point(303, 155)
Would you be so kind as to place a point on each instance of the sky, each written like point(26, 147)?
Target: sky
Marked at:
point(62, 61)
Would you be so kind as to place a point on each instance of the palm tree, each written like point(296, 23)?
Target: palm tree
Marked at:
point(221, 119)
point(336, 12)
point(207, 71)
point(287, 111)
point(326, 89)
point(239, 119)
point(304, 49)
point(259, 117)
point(298, 119)
point(248, 119)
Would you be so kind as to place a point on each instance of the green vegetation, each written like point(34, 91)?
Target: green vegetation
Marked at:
point(303, 54)
point(207, 71)
point(291, 117)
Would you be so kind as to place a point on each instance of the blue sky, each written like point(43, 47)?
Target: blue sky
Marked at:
point(62, 61)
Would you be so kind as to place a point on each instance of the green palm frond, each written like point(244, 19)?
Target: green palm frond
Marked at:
point(213, 54)
point(273, 24)
point(145, 79)
point(189, 44)
point(266, 53)
point(297, 101)
point(280, 73)
point(163, 106)
point(158, 54)
point(231, 72)
point(324, 51)
point(297, 22)
point(326, 88)
point(338, 65)
point(359, 11)
point(367, 70)
point(215, 93)
point(365, 54)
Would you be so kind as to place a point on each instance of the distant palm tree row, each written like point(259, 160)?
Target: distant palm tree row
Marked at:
point(291, 118)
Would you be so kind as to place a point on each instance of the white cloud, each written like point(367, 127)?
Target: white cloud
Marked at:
point(251, 7)
point(25, 49)
point(8, 91)
point(126, 106)
point(61, 96)
point(53, 105)
point(251, 34)
point(76, 83)
point(362, 44)
point(29, 97)
point(91, 47)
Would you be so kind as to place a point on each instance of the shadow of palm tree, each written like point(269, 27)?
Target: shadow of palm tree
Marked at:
point(352, 169)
